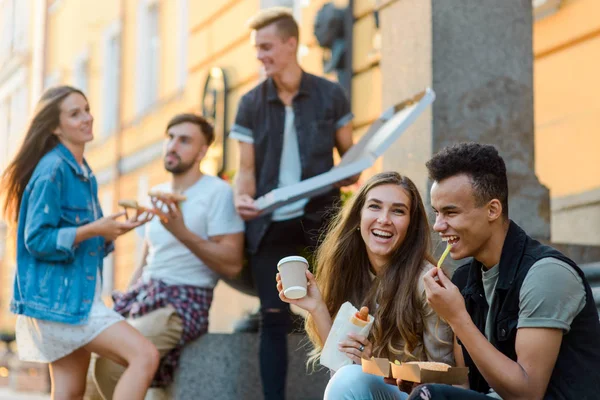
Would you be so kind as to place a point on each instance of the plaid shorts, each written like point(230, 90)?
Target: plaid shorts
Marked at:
point(191, 303)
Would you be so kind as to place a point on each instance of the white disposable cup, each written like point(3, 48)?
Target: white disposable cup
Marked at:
point(292, 270)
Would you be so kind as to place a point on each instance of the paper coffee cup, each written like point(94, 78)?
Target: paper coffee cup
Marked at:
point(292, 270)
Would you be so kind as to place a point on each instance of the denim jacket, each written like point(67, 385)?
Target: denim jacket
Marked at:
point(55, 279)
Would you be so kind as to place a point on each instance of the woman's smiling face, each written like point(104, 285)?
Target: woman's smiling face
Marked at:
point(384, 221)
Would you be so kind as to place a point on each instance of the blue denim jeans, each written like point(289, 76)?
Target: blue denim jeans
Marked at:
point(351, 383)
point(446, 392)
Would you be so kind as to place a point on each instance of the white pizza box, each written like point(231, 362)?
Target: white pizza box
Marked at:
point(390, 125)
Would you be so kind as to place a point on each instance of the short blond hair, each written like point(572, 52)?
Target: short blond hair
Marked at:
point(282, 17)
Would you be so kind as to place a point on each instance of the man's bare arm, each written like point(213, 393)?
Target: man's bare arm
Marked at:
point(245, 182)
point(527, 378)
point(459, 359)
point(343, 139)
point(343, 142)
point(223, 254)
point(537, 348)
point(142, 263)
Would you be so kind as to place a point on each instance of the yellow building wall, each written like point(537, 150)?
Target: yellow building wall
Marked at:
point(567, 100)
point(75, 26)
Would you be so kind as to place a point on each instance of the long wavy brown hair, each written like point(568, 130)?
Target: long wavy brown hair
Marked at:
point(39, 140)
point(342, 275)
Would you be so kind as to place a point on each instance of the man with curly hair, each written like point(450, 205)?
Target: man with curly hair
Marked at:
point(523, 313)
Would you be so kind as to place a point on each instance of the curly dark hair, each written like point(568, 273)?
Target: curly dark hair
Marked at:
point(481, 162)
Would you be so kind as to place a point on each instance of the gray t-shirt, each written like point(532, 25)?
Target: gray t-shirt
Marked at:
point(551, 296)
point(489, 279)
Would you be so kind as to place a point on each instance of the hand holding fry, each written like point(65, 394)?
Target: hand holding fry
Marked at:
point(443, 296)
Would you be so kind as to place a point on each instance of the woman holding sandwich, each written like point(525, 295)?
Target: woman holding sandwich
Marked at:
point(375, 254)
point(50, 194)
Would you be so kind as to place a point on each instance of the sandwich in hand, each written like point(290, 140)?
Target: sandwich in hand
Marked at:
point(167, 196)
point(132, 204)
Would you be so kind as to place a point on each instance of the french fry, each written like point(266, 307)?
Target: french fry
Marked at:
point(444, 255)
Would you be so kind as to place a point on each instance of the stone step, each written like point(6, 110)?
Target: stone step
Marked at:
point(225, 366)
point(592, 273)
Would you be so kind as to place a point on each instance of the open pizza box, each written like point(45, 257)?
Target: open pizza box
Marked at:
point(388, 128)
point(377, 366)
point(416, 372)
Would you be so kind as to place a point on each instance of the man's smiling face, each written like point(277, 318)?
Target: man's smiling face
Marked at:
point(459, 219)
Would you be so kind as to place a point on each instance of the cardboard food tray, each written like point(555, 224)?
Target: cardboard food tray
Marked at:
point(414, 373)
point(377, 366)
point(390, 125)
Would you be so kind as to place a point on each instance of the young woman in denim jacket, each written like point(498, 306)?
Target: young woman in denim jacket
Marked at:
point(375, 254)
point(62, 238)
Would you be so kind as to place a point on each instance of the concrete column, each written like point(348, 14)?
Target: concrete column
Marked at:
point(477, 56)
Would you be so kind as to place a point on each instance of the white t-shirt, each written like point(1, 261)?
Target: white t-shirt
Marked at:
point(208, 211)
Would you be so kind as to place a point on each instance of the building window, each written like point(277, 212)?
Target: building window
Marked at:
point(21, 27)
point(142, 196)
point(52, 79)
point(81, 72)
point(14, 24)
point(4, 127)
point(111, 79)
point(182, 42)
point(147, 70)
point(6, 21)
point(108, 266)
point(13, 119)
point(14, 109)
point(17, 119)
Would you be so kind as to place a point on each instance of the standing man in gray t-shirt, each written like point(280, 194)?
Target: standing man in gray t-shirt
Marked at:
point(287, 127)
point(522, 312)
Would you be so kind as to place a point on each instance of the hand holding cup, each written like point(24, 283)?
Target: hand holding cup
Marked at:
point(311, 302)
point(292, 271)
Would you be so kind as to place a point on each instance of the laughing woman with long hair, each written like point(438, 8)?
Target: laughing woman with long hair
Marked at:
point(50, 194)
point(375, 253)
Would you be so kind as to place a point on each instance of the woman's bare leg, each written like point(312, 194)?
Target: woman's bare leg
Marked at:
point(68, 375)
point(124, 345)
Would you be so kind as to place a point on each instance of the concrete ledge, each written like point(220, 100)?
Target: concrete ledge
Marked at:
point(579, 200)
point(580, 253)
point(225, 366)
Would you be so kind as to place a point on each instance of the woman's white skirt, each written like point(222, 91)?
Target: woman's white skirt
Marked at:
point(46, 341)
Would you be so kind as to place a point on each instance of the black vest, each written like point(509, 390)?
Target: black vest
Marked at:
point(576, 374)
point(314, 120)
